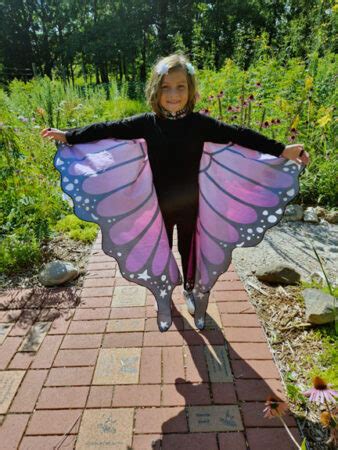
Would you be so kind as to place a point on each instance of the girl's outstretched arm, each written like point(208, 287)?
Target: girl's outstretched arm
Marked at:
point(221, 133)
point(128, 128)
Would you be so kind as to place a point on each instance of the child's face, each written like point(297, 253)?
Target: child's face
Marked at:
point(174, 91)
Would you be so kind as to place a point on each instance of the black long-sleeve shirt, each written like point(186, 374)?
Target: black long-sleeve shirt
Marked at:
point(175, 148)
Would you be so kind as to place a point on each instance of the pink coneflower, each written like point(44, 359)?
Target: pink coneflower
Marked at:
point(320, 392)
point(258, 84)
point(266, 124)
point(211, 97)
point(250, 98)
point(205, 111)
point(294, 131)
point(245, 103)
point(230, 108)
point(273, 121)
point(274, 407)
point(291, 138)
point(220, 94)
point(277, 120)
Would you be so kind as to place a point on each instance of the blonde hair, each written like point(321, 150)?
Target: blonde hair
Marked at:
point(175, 61)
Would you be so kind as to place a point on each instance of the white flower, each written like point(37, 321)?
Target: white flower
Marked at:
point(162, 68)
point(190, 68)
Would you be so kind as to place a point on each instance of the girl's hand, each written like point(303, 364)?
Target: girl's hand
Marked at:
point(293, 152)
point(54, 133)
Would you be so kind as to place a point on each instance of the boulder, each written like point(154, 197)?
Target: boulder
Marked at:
point(278, 273)
point(310, 215)
point(319, 306)
point(293, 212)
point(57, 272)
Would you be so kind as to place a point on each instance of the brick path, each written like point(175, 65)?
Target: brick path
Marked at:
point(82, 370)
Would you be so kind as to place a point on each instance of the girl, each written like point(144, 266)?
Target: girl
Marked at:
point(175, 136)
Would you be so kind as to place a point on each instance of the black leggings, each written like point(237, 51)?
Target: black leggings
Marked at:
point(186, 224)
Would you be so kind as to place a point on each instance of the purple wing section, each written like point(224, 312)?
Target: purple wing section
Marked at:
point(111, 184)
point(243, 193)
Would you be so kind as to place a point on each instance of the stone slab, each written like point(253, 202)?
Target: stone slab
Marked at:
point(106, 429)
point(214, 418)
point(35, 336)
point(5, 328)
point(9, 382)
point(123, 325)
point(129, 296)
point(218, 364)
point(118, 366)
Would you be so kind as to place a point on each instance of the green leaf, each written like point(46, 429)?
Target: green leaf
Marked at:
point(303, 447)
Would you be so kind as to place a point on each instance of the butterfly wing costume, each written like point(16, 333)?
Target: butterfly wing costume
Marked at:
point(242, 193)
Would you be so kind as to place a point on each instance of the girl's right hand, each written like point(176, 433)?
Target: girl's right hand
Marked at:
point(54, 133)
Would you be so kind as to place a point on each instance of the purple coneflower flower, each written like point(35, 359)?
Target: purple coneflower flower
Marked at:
point(291, 138)
point(266, 124)
point(277, 120)
point(211, 97)
point(230, 108)
point(274, 407)
point(250, 98)
point(320, 392)
point(220, 94)
point(258, 84)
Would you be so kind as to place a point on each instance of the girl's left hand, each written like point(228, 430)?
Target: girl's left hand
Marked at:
point(292, 152)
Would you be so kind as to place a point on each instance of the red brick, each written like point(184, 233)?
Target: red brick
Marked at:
point(61, 324)
point(72, 358)
point(77, 376)
point(47, 442)
point(147, 442)
point(259, 438)
point(196, 366)
point(12, 430)
point(95, 302)
point(21, 361)
point(255, 369)
point(186, 394)
point(137, 395)
point(229, 276)
point(9, 316)
point(236, 307)
point(97, 292)
point(223, 393)
point(229, 296)
point(100, 397)
point(234, 285)
point(249, 351)
point(205, 337)
point(98, 282)
point(253, 416)
point(63, 397)
point(7, 349)
point(158, 339)
point(29, 391)
point(46, 353)
point(55, 422)
point(109, 273)
point(173, 365)
point(240, 320)
point(151, 324)
point(244, 334)
point(100, 265)
point(19, 329)
point(91, 313)
point(60, 297)
point(157, 420)
point(87, 326)
point(150, 366)
point(99, 258)
point(191, 441)
point(233, 441)
point(112, 340)
point(151, 312)
point(82, 341)
point(258, 390)
point(15, 298)
point(134, 312)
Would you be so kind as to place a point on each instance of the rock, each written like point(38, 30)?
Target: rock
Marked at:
point(332, 216)
point(310, 215)
point(320, 211)
point(293, 212)
point(318, 277)
point(278, 273)
point(57, 272)
point(319, 306)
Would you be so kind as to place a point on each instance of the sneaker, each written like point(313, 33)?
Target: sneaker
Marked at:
point(190, 301)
